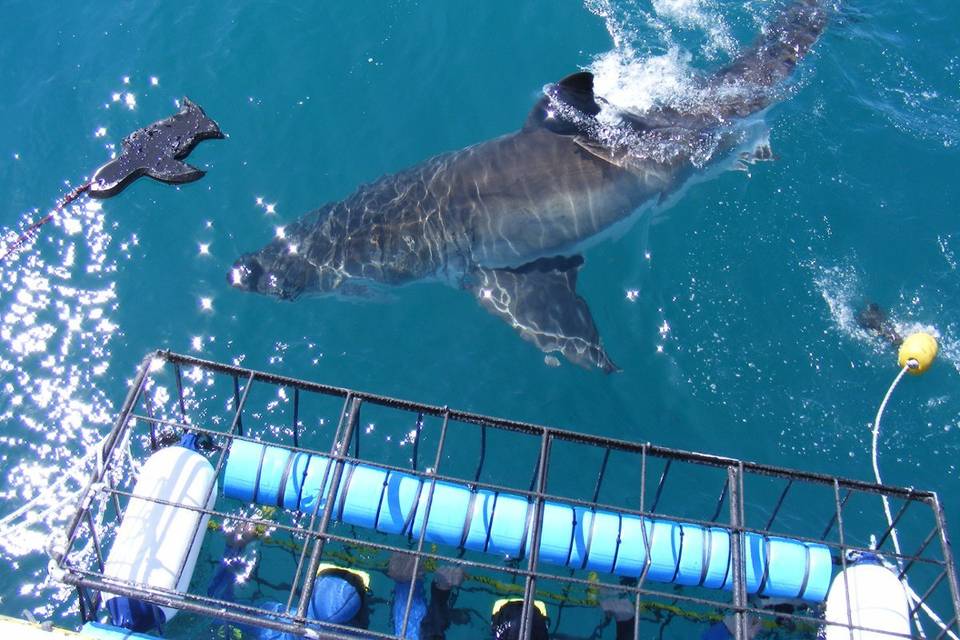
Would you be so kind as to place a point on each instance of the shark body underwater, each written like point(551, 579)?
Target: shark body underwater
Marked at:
point(507, 218)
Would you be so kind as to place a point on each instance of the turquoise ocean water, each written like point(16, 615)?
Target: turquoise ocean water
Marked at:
point(730, 313)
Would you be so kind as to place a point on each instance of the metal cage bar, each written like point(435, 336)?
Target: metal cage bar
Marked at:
point(316, 533)
point(558, 434)
point(735, 482)
point(347, 403)
point(338, 458)
point(532, 494)
point(529, 587)
point(425, 521)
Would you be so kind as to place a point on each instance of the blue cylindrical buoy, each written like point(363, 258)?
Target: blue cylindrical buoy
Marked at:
point(496, 522)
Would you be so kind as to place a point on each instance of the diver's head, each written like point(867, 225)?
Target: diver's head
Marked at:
point(507, 617)
point(338, 597)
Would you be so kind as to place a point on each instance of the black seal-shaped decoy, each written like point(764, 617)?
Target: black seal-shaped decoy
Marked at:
point(157, 151)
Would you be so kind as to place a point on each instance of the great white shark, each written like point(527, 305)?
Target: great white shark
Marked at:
point(507, 218)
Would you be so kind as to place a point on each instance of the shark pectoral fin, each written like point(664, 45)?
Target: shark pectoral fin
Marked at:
point(167, 169)
point(540, 301)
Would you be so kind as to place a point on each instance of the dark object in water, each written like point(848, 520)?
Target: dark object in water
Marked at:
point(872, 318)
point(507, 219)
point(154, 151)
point(157, 151)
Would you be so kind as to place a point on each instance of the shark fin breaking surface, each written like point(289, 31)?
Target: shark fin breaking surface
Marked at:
point(574, 92)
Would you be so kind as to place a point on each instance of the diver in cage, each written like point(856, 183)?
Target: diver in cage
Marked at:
point(426, 620)
point(779, 622)
point(726, 629)
point(506, 619)
point(429, 621)
point(340, 595)
point(507, 614)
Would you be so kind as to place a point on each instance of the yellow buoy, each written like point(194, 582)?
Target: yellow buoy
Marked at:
point(917, 352)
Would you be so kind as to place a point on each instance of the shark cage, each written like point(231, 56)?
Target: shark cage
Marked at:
point(576, 533)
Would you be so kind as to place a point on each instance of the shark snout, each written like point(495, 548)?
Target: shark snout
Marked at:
point(247, 274)
point(284, 279)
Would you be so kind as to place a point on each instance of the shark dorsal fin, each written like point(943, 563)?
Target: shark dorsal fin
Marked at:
point(580, 86)
point(576, 90)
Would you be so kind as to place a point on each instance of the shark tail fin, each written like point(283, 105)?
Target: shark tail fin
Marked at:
point(773, 56)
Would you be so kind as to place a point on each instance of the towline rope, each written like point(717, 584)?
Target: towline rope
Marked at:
point(53, 496)
point(875, 458)
point(22, 239)
point(915, 599)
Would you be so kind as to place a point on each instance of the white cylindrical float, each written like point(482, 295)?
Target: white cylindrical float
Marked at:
point(155, 540)
point(877, 602)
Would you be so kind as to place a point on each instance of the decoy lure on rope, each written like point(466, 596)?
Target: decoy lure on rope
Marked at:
point(156, 150)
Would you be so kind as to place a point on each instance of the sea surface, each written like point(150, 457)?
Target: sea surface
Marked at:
point(731, 312)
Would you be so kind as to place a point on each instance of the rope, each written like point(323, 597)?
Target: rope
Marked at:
point(22, 239)
point(915, 599)
point(876, 466)
point(52, 493)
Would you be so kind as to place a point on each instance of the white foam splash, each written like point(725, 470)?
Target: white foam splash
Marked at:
point(649, 72)
point(636, 74)
point(638, 84)
point(631, 27)
point(840, 288)
point(950, 346)
point(701, 15)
